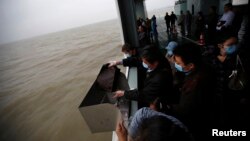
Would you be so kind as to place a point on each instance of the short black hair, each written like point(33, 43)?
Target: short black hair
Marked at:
point(151, 53)
point(229, 5)
point(189, 53)
point(160, 128)
point(127, 47)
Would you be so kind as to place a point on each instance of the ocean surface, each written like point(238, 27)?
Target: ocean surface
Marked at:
point(43, 81)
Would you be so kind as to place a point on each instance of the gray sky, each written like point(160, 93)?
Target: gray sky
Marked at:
point(20, 19)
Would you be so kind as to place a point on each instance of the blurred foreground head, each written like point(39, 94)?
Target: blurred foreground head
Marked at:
point(160, 128)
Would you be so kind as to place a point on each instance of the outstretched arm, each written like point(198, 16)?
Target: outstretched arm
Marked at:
point(121, 132)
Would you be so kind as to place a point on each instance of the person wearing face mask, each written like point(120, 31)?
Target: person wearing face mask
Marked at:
point(158, 85)
point(223, 63)
point(227, 49)
point(196, 90)
point(170, 57)
point(132, 60)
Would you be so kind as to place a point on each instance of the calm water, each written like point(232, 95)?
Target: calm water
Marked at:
point(43, 80)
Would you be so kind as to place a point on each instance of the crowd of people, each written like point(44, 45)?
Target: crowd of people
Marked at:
point(184, 94)
point(147, 31)
point(216, 29)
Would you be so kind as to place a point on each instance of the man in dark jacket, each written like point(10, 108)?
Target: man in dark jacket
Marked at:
point(167, 20)
point(173, 18)
point(195, 106)
point(188, 23)
point(132, 60)
point(158, 85)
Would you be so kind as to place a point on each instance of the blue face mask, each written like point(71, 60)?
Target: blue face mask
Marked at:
point(170, 53)
point(145, 65)
point(178, 67)
point(231, 49)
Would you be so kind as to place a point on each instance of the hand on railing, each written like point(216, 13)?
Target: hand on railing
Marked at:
point(118, 94)
point(112, 63)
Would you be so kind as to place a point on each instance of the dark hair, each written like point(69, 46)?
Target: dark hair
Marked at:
point(189, 53)
point(229, 5)
point(160, 128)
point(151, 54)
point(127, 47)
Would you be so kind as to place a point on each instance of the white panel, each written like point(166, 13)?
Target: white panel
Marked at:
point(240, 2)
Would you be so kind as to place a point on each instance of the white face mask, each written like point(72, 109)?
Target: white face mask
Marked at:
point(170, 52)
point(145, 65)
point(127, 55)
point(181, 69)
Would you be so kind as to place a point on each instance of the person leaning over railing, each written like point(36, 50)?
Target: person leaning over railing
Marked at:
point(158, 82)
point(132, 59)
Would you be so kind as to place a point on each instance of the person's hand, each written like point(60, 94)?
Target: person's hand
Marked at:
point(155, 105)
point(112, 63)
point(121, 132)
point(118, 94)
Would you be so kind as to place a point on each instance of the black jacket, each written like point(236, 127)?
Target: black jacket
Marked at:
point(158, 84)
point(132, 61)
point(141, 71)
point(196, 104)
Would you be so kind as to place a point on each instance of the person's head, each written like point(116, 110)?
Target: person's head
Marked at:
point(141, 29)
point(151, 57)
point(172, 12)
point(166, 13)
point(160, 128)
point(128, 49)
point(228, 47)
point(181, 12)
point(187, 57)
point(228, 7)
point(188, 12)
point(171, 46)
